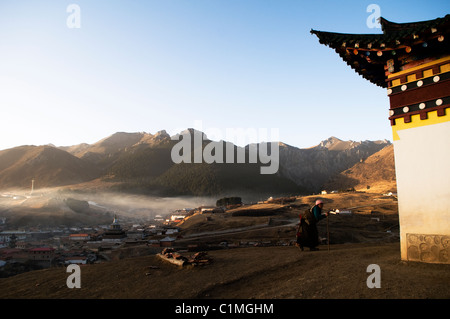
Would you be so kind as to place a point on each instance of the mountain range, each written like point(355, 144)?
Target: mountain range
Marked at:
point(141, 162)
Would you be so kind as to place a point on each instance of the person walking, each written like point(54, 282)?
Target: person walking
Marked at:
point(308, 235)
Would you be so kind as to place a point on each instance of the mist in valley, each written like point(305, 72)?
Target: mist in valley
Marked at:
point(146, 207)
point(54, 207)
point(142, 207)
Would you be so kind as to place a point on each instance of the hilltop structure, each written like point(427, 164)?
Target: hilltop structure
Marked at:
point(412, 61)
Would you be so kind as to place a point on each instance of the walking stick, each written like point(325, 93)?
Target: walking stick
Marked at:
point(328, 233)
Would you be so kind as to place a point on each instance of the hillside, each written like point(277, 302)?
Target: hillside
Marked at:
point(376, 174)
point(106, 151)
point(148, 167)
point(249, 273)
point(50, 211)
point(47, 165)
point(312, 167)
point(244, 180)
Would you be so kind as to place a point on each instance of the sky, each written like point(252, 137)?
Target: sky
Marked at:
point(78, 71)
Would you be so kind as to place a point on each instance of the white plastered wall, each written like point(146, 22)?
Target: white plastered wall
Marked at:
point(422, 161)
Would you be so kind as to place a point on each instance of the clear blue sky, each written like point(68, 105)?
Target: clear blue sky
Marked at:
point(138, 66)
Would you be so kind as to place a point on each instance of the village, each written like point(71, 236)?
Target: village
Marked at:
point(33, 248)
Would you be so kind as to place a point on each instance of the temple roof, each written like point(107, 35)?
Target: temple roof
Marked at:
point(368, 54)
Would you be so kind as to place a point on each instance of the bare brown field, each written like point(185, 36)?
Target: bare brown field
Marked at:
point(245, 273)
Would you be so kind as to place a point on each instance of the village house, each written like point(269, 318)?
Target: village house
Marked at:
point(43, 256)
point(80, 260)
point(5, 236)
point(210, 209)
point(13, 255)
point(170, 230)
point(79, 237)
point(167, 242)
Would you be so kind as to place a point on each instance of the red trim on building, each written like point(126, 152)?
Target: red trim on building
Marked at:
point(420, 94)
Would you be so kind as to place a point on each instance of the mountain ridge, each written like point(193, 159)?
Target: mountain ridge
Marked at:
point(20, 165)
point(142, 161)
point(376, 173)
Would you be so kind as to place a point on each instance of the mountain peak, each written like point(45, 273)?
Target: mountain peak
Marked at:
point(334, 143)
point(193, 132)
point(334, 139)
point(162, 134)
point(121, 139)
point(49, 165)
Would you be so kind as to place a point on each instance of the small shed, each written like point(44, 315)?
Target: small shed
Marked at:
point(166, 242)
